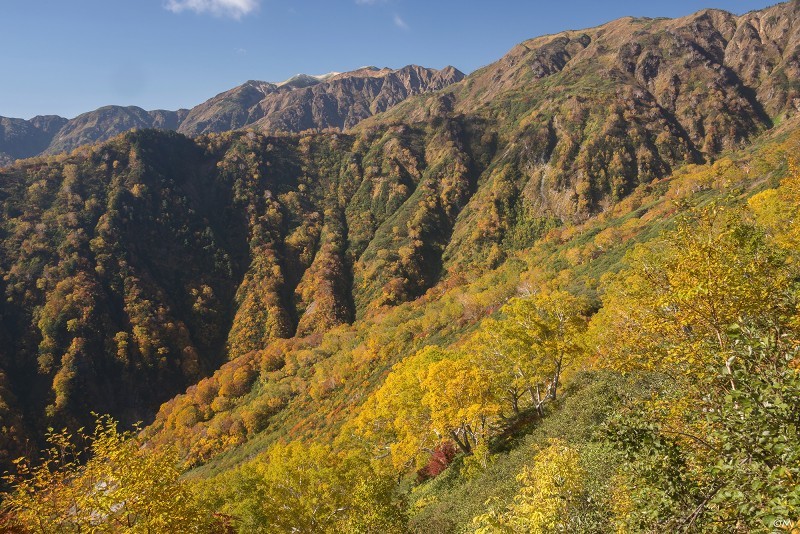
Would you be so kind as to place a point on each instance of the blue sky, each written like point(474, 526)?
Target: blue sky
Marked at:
point(69, 56)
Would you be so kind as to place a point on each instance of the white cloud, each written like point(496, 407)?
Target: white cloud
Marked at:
point(228, 8)
point(399, 22)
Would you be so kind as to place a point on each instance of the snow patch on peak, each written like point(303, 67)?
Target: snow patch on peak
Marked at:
point(304, 80)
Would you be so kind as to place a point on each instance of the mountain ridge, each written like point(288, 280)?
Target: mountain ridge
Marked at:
point(235, 108)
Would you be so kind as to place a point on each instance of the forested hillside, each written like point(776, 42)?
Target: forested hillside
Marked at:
point(559, 295)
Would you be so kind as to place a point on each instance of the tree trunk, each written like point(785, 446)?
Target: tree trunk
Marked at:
point(536, 396)
point(556, 377)
point(463, 445)
point(514, 401)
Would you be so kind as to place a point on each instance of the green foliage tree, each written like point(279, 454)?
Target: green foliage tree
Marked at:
point(733, 470)
point(713, 450)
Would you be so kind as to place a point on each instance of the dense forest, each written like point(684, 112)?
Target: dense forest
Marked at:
point(560, 295)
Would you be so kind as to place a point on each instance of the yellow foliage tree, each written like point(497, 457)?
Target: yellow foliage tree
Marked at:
point(123, 487)
point(671, 309)
point(779, 209)
point(430, 397)
point(307, 487)
point(394, 418)
point(529, 349)
point(461, 403)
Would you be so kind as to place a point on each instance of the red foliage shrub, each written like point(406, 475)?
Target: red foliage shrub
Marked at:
point(441, 457)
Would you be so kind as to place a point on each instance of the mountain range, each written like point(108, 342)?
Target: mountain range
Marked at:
point(303, 102)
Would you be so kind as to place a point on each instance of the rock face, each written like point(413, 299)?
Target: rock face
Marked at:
point(335, 100)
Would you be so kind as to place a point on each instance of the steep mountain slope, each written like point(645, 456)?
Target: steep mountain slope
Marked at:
point(617, 105)
point(53, 135)
point(135, 268)
point(309, 386)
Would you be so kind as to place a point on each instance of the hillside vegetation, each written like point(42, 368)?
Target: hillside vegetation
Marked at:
point(560, 295)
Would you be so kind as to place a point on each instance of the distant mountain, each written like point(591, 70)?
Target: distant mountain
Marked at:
point(333, 100)
point(305, 102)
point(108, 121)
point(22, 139)
point(227, 111)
